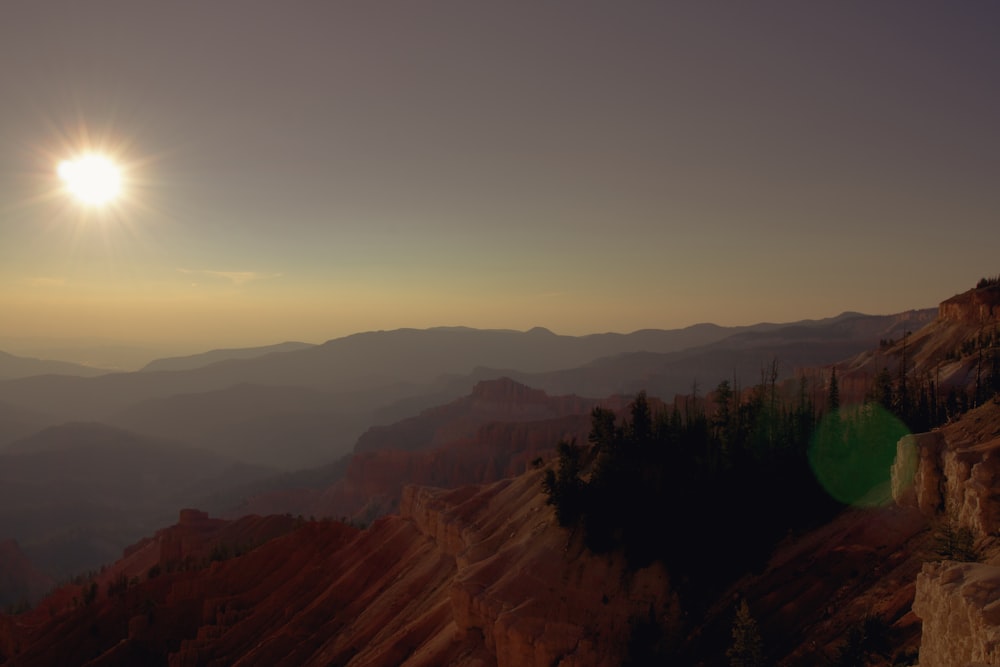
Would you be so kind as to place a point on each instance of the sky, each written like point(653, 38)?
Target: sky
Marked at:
point(306, 170)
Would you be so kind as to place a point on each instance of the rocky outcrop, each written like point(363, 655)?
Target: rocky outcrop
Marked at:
point(976, 305)
point(960, 607)
point(478, 576)
point(917, 472)
point(954, 471)
point(953, 475)
point(533, 598)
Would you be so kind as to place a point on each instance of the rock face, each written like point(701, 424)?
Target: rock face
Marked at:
point(533, 599)
point(945, 349)
point(960, 607)
point(954, 474)
point(954, 471)
point(917, 472)
point(478, 576)
point(975, 305)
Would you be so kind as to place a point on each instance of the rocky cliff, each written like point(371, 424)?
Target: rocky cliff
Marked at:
point(952, 476)
point(954, 472)
point(960, 607)
point(976, 305)
point(479, 576)
point(950, 350)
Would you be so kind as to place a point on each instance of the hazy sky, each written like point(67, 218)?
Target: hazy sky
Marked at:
point(304, 170)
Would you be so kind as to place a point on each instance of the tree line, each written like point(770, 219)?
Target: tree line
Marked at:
point(706, 492)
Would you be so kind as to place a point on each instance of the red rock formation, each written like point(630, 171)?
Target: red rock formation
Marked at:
point(501, 400)
point(944, 350)
point(952, 475)
point(954, 471)
point(976, 305)
point(476, 576)
point(495, 432)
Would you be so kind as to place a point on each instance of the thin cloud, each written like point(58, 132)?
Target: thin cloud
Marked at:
point(44, 282)
point(235, 278)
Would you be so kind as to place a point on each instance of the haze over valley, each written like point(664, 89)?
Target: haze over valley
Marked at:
point(452, 334)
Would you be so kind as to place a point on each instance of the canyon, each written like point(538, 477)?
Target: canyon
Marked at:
point(437, 545)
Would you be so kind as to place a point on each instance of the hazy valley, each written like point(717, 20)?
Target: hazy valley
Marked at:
point(402, 497)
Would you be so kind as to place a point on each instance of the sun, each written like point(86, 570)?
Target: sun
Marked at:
point(93, 179)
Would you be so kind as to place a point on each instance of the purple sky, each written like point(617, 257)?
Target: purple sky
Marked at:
point(304, 170)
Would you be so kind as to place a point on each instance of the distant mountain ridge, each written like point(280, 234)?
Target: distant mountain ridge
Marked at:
point(739, 358)
point(14, 367)
point(192, 361)
point(20, 581)
point(482, 572)
point(73, 495)
point(494, 431)
point(303, 407)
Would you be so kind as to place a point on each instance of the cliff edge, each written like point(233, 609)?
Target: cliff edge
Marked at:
point(952, 475)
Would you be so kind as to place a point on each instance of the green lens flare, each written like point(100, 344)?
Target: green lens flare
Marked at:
point(851, 454)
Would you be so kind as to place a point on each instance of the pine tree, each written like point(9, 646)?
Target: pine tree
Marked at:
point(565, 489)
point(747, 649)
point(833, 393)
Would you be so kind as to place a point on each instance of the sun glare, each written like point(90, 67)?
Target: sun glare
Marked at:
point(92, 179)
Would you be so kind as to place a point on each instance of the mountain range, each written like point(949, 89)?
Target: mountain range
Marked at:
point(459, 558)
point(238, 415)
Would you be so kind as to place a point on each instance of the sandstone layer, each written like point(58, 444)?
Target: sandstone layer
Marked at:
point(952, 475)
point(954, 472)
point(960, 607)
point(478, 576)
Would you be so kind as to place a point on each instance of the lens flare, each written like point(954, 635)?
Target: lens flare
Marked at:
point(852, 452)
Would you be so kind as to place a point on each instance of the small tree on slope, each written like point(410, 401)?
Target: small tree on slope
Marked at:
point(747, 649)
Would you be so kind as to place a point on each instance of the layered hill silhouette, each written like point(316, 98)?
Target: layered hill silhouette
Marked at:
point(305, 406)
point(484, 574)
point(498, 430)
point(21, 583)
point(741, 358)
point(193, 361)
point(73, 495)
point(13, 367)
point(326, 413)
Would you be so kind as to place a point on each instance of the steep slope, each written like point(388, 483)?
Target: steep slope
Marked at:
point(819, 585)
point(476, 576)
point(952, 477)
point(947, 349)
